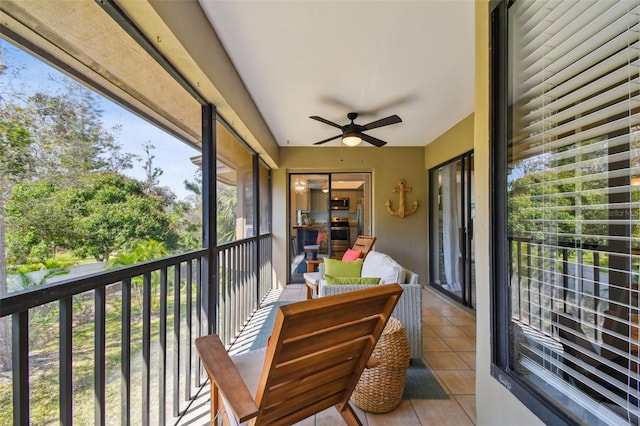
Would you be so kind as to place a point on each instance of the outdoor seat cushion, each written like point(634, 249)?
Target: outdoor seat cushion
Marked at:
point(313, 277)
point(249, 366)
point(381, 265)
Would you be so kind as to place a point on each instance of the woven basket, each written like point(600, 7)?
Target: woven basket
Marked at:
point(380, 388)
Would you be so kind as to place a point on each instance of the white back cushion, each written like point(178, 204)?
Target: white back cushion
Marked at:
point(378, 264)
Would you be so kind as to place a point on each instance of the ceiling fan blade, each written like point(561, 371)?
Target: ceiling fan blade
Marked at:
point(392, 119)
point(325, 121)
point(327, 140)
point(373, 141)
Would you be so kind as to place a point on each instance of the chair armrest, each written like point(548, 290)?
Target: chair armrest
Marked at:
point(223, 372)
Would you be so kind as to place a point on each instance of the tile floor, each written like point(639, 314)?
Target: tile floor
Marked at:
point(449, 350)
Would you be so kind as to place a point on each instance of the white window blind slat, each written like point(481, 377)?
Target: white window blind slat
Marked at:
point(613, 43)
point(538, 146)
point(569, 40)
point(584, 99)
point(537, 23)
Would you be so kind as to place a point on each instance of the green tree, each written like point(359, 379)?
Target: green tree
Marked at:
point(101, 213)
point(188, 215)
point(15, 162)
point(136, 252)
point(226, 201)
point(38, 221)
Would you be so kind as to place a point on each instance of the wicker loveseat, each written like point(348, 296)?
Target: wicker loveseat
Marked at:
point(409, 308)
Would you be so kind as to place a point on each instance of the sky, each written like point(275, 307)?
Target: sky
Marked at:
point(171, 155)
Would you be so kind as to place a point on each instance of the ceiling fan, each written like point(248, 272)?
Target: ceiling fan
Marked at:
point(352, 133)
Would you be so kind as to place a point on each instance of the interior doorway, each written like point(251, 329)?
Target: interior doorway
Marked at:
point(327, 213)
point(451, 226)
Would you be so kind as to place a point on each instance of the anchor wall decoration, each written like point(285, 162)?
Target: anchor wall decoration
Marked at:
point(402, 210)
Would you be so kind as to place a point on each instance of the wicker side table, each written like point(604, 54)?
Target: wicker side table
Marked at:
point(380, 388)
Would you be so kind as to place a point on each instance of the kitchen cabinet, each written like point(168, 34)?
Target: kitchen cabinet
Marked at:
point(319, 200)
point(302, 201)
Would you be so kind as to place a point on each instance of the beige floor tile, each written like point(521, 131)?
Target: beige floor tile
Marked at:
point(448, 311)
point(462, 321)
point(469, 358)
point(309, 421)
point(403, 415)
point(448, 331)
point(434, 344)
point(429, 312)
point(331, 417)
point(428, 331)
point(436, 320)
point(468, 404)
point(461, 344)
point(469, 331)
point(440, 412)
point(431, 300)
point(445, 361)
point(458, 382)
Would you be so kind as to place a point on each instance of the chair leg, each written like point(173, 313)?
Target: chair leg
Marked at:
point(348, 414)
point(215, 402)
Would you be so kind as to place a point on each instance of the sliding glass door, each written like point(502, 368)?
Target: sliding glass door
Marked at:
point(452, 260)
point(327, 213)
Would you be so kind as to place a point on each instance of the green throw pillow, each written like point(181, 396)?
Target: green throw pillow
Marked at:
point(351, 280)
point(338, 268)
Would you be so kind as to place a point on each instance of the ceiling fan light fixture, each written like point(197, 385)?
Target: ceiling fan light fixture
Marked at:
point(351, 139)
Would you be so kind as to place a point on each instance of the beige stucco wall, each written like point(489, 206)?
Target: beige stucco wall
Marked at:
point(396, 236)
point(495, 405)
point(453, 143)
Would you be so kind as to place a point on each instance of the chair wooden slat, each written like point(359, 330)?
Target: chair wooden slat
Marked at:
point(364, 243)
point(325, 360)
point(322, 377)
point(312, 322)
point(326, 339)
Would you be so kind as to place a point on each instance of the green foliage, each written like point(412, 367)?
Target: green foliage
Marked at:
point(139, 251)
point(226, 201)
point(15, 140)
point(187, 215)
point(62, 261)
point(538, 207)
point(27, 281)
point(101, 213)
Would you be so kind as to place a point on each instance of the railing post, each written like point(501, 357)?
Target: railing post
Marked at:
point(20, 365)
point(209, 217)
point(99, 368)
point(256, 224)
point(565, 278)
point(146, 348)
point(125, 354)
point(66, 354)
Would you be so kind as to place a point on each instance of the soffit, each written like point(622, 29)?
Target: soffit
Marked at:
point(81, 40)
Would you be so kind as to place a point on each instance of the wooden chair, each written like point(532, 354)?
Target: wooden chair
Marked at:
point(317, 352)
point(364, 243)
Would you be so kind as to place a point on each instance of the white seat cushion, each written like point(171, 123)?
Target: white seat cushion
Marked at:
point(378, 264)
point(249, 366)
point(313, 277)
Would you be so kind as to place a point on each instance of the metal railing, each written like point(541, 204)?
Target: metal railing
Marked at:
point(123, 350)
point(547, 278)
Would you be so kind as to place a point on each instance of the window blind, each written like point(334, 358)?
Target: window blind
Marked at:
point(573, 195)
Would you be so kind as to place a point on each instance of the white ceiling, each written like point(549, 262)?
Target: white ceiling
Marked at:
point(327, 58)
